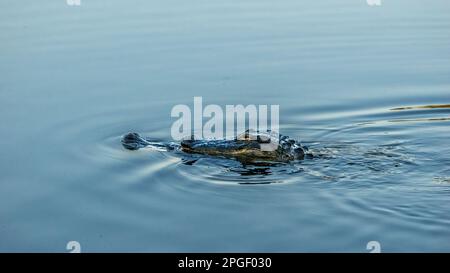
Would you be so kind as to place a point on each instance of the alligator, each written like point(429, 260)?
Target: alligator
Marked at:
point(248, 147)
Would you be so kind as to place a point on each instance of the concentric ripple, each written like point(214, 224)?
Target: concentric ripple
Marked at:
point(374, 152)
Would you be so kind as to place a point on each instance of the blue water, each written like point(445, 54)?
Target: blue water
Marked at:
point(74, 79)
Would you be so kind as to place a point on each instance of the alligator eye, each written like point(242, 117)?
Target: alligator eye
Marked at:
point(263, 139)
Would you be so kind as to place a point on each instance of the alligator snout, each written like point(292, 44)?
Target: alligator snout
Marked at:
point(133, 141)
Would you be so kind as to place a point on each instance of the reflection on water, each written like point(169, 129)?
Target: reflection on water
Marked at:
point(332, 160)
point(432, 119)
point(347, 77)
point(442, 180)
point(354, 160)
point(435, 106)
point(419, 120)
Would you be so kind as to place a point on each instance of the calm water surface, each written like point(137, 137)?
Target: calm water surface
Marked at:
point(347, 77)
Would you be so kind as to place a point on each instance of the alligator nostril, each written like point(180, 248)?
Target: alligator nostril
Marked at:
point(131, 136)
